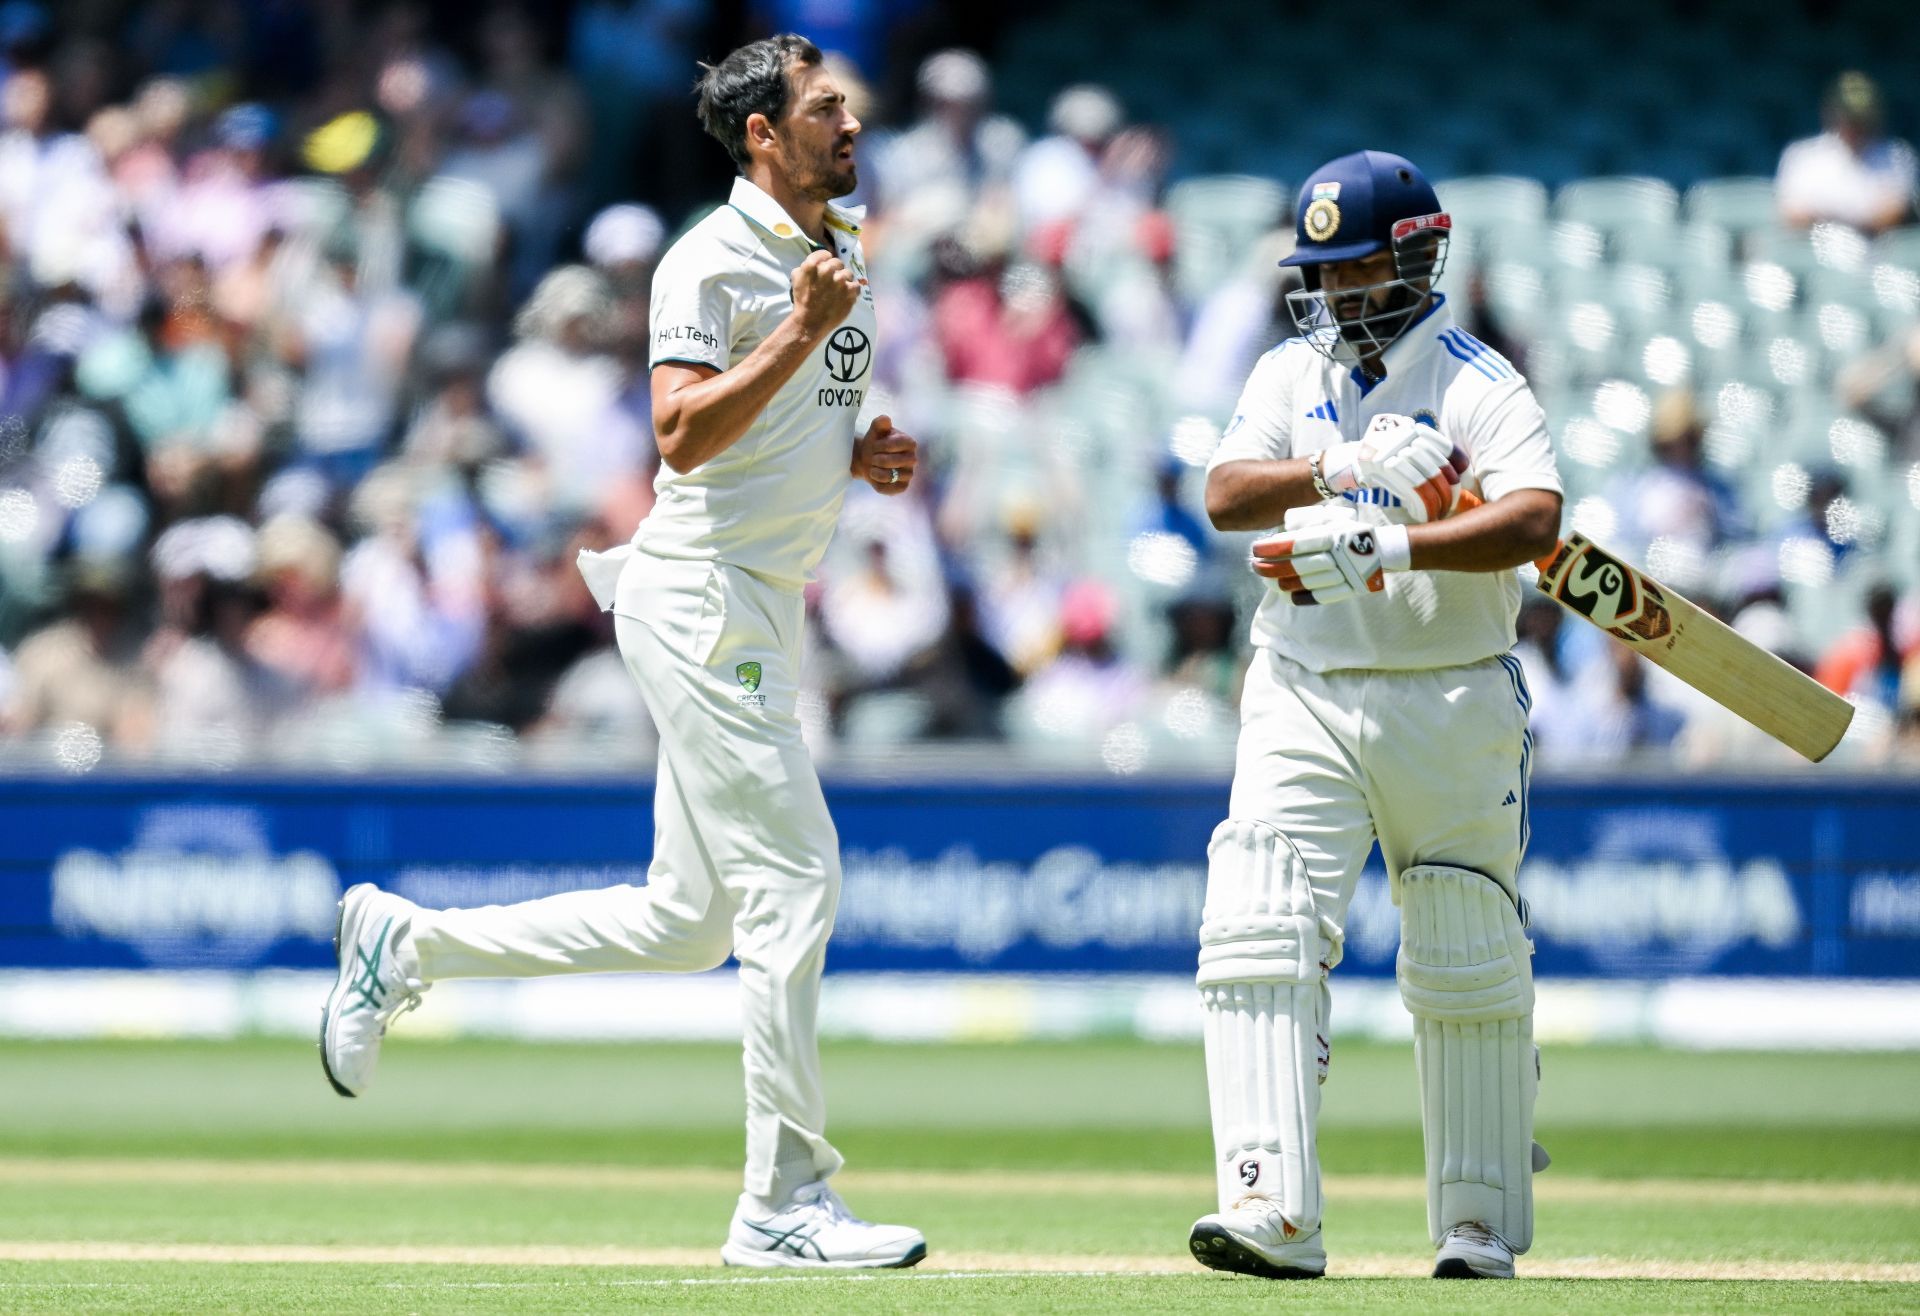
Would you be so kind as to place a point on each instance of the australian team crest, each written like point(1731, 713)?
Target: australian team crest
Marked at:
point(749, 676)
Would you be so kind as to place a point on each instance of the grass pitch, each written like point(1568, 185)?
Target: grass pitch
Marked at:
point(148, 1177)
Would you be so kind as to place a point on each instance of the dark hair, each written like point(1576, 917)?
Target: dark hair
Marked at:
point(752, 80)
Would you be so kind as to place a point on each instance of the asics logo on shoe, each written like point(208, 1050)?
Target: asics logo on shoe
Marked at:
point(796, 1240)
point(366, 977)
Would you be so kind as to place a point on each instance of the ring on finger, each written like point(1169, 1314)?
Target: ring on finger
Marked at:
point(893, 475)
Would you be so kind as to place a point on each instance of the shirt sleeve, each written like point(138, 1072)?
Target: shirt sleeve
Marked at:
point(691, 314)
point(1262, 426)
point(1504, 431)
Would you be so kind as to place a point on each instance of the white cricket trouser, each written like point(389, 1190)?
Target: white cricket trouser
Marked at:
point(1433, 763)
point(745, 856)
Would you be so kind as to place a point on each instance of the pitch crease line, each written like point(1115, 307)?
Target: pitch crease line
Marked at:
point(1553, 1186)
point(987, 1263)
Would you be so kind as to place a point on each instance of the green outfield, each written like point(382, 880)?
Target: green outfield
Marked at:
point(176, 1177)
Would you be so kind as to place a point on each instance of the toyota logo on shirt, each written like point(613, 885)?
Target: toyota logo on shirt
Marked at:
point(848, 353)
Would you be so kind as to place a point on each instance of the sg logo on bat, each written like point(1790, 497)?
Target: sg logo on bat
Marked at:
point(1607, 592)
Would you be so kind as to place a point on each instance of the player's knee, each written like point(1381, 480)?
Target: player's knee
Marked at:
point(1260, 923)
point(787, 943)
point(1464, 952)
point(708, 947)
point(688, 941)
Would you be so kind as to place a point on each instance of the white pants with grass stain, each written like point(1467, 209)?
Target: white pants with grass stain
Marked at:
point(745, 856)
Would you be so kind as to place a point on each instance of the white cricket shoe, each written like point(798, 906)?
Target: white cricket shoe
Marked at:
point(1472, 1251)
point(371, 989)
point(816, 1231)
point(1254, 1238)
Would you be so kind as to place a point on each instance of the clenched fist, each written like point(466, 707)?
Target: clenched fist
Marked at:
point(884, 457)
point(824, 290)
point(1408, 459)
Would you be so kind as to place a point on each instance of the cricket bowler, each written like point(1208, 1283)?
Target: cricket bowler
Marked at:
point(762, 353)
point(1382, 704)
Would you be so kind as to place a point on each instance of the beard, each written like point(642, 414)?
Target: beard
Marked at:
point(819, 175)
point(1374, 320)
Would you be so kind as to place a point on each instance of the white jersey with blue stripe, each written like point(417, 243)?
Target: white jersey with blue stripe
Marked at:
point(1297, 402)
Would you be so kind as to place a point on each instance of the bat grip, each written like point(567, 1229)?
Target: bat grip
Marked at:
point(1468, 500)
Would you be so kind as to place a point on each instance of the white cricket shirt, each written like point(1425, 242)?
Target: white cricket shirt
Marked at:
point(769, 503)
point(1297, 402)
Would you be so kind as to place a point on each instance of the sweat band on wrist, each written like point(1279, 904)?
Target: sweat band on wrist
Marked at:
point(1396, 550)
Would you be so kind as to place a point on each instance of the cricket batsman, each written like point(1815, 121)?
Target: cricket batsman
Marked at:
point(1383, 704)
point(762, 353)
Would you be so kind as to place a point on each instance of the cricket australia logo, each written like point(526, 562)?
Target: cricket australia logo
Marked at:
point(748, 674)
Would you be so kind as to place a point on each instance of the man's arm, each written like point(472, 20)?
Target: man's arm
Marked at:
point(700, 412)
point(1344, 558)
point(1495, 536)
point(1253, 495)
point(1399, 456)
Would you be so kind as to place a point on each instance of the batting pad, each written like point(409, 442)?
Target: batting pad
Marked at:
point(1466, 975)
point(1263, 986)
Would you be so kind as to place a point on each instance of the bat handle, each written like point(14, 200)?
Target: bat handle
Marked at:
point(1469, 500)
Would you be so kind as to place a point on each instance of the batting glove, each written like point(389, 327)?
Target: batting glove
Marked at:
point(1333, 562)
point(1408, 458)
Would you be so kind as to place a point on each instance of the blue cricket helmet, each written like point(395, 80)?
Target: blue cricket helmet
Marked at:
point(1360, 204)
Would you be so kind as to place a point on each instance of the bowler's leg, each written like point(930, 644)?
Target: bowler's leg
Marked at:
point(679, 922)
point(754, 805)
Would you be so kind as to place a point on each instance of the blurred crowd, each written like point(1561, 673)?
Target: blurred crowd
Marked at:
point(322, 354)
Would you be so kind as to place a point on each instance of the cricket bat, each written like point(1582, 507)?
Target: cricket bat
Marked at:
point(1673, 633)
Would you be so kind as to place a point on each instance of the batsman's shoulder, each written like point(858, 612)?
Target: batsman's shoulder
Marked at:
point(1473, 359)
point(1286, 362)
point(1290, 352)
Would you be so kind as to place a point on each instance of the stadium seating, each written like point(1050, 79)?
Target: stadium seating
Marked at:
point(1579, 94)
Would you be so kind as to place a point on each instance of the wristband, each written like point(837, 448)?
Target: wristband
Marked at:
point(1320, 485)
point(1396, 550)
